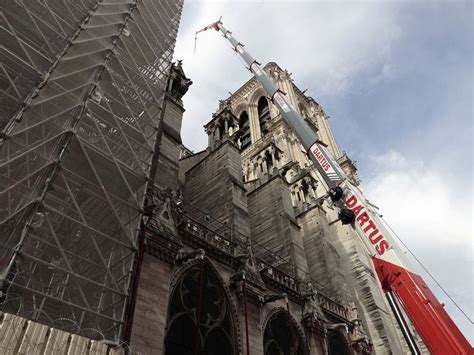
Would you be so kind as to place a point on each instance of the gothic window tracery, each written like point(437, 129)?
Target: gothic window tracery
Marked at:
point(304, 189)
point(269, 160)
point(263, 114)
point(215, 329)
point(244, 125)
point(281, 336)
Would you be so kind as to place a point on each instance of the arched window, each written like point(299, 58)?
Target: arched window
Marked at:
point(215, 329)
point(281, 336)
point(338, 345)
point(244, 126)
point(263, 114)
point(269, 160)
point(222, 131)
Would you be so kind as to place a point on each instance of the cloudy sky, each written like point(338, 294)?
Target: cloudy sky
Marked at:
point(396, 79)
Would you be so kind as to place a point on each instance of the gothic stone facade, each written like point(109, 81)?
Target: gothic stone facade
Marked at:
point(322, 249)
point(241, 252)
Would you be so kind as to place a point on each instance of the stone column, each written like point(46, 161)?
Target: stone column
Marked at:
point(255, 133)
point(293, 199)
point(253, 169)
point(210, 141)
point(274, 161)
point(217, 133)
point(316, 334)
point(226, 127)
point(265, 165)
point(313, 191)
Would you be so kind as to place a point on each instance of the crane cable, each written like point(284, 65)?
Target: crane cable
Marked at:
point(195, 41)
point(426, 270)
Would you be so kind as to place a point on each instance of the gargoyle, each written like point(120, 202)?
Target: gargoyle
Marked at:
point(184, 255)
point(310, 293)
point(243, 262)
point(272, 298)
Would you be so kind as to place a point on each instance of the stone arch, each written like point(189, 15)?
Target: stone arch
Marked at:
point(281, 343)
point(219, 329)
point(338, 344)
point(240, 107)
point(256, 95)
point(244, 126)
point(263, 114)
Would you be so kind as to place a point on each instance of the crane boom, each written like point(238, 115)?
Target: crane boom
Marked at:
point(432, 322)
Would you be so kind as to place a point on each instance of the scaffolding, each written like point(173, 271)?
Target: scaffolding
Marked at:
point(82, 85)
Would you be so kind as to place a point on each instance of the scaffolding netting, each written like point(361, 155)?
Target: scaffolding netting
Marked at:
point(82, 85)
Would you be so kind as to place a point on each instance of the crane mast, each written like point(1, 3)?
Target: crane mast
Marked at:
point(401, 285)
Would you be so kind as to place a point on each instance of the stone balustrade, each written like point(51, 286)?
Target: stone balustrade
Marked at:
point(332, 306)
point(195, 229)
point(277, 275)
point(285, 282)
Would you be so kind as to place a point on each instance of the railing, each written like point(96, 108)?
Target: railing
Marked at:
point(278, 275)
point(271, 266)
point(331, 305)
point(200, 231)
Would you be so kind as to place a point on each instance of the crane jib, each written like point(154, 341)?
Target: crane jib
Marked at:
point(368, 225)
point(326, 165)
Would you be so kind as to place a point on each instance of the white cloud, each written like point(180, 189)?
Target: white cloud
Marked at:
point(427, 211)
point(422, 204)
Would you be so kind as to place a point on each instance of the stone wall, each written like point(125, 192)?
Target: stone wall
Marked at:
point(324, 260)
point(219, 214)
point(151, 308)
point(370, 299)
point(272, 222)
point(168, 148)
point(213, 187)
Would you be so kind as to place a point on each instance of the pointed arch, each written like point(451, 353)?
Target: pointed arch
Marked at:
point(263, 110)
point(218, 330)
point(282, 335)
point(244, 126)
